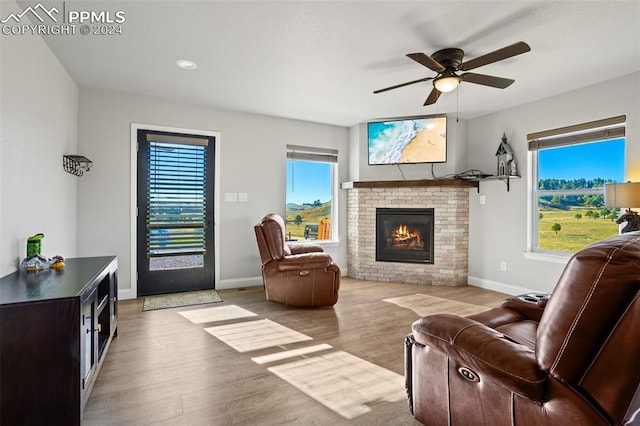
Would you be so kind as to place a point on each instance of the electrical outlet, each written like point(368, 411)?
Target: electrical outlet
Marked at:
point(483, 199)
point(503, 266)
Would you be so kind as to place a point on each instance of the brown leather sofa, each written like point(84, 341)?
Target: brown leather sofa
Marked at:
point(571, 360)
point(295, 274)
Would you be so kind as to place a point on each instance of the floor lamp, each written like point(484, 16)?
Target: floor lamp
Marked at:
point(624, 195)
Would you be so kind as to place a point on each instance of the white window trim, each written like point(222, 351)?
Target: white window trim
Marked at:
point(547, 257)
point(335, 191)
point(532, 252)
point(335, 240)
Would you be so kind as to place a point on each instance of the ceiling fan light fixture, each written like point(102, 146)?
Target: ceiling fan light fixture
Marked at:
point(446, 83)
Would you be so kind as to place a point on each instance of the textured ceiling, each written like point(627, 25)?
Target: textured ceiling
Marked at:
point(320, 61)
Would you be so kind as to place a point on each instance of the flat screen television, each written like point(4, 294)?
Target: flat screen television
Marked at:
point(408, 140)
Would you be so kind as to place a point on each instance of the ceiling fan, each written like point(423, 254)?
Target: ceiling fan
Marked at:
point(447, 62)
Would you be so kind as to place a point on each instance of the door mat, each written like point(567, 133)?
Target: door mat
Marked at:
point(174, 300)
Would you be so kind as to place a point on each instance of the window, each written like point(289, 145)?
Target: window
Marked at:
point(311, 188)
point(570, 166)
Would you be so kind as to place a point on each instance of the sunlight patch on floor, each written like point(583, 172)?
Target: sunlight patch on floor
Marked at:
point(343, 382)
point(424, 305)
point(218, 313)
point(279, 356)
point(254, 335)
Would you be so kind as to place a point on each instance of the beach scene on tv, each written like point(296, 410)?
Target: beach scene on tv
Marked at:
point(421, 140)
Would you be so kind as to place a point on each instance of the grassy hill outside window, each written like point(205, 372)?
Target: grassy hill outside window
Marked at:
point(570, 166)
point(310, 193)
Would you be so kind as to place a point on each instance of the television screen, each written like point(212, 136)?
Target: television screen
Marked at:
point(408, 141)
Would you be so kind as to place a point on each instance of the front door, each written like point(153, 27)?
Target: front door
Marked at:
point(175, 212)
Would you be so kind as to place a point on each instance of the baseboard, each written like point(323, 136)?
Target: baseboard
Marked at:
point(230, 283)
point(126, 293)
point(250, 282)
point(239, 283)
point(499, 287)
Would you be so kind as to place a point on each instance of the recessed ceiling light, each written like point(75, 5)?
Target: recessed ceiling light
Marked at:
point(186, 64)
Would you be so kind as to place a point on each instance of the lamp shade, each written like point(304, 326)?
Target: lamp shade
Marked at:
point(620, 195)
point(446, 84)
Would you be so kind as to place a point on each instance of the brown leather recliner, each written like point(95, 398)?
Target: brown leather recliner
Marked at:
point(295, 274)
point(571, 360)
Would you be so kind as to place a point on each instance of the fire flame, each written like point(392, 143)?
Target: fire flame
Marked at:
point(404, 238)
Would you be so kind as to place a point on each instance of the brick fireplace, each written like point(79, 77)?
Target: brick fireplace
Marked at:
point(449, 200)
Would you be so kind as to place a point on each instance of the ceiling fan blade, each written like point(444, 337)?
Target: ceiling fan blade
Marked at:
point(495, 56)
point(427, 61)
point(433, 97)
point(403, 84)
point(487, 80)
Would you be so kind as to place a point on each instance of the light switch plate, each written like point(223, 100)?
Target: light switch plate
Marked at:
point(231, 197)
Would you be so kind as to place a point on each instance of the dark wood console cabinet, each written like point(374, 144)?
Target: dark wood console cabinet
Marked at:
point(55, 329)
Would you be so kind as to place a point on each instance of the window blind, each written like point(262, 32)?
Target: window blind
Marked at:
point(297, 152)
point(608, 128)
point(176, 202)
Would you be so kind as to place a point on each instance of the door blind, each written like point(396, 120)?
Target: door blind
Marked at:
point(176, 207)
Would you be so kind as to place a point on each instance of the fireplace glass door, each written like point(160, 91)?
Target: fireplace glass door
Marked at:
point(404, 235)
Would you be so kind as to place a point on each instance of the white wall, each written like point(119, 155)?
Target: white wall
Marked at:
point(252, 160)
point(38, 115)
point(498, 229)
point(360, 170)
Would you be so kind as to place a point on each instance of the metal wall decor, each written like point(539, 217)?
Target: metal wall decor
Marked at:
point(76, 164)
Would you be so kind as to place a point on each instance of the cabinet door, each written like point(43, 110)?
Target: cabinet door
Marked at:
point(113, 302)
point(88, 338)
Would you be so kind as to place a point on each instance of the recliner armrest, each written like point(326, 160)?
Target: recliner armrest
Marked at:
point(511, 310)
point(485, 351)
point(305, 261)
point(300, 248)
point(496, 317)
point(531, 311)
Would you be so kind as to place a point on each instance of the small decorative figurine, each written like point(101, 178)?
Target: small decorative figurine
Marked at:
point(507, 164)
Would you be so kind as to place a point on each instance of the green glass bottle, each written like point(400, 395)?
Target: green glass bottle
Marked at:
point(34, 244)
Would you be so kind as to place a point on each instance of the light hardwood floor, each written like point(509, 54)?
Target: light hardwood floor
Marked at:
point(163, 369)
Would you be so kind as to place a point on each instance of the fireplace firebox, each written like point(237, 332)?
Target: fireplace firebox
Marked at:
point(404, 235)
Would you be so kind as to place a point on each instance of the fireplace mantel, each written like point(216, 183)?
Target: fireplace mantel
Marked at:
point(421, 183)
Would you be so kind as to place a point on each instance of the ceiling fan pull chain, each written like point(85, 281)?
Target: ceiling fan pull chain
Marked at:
point(457, 105)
